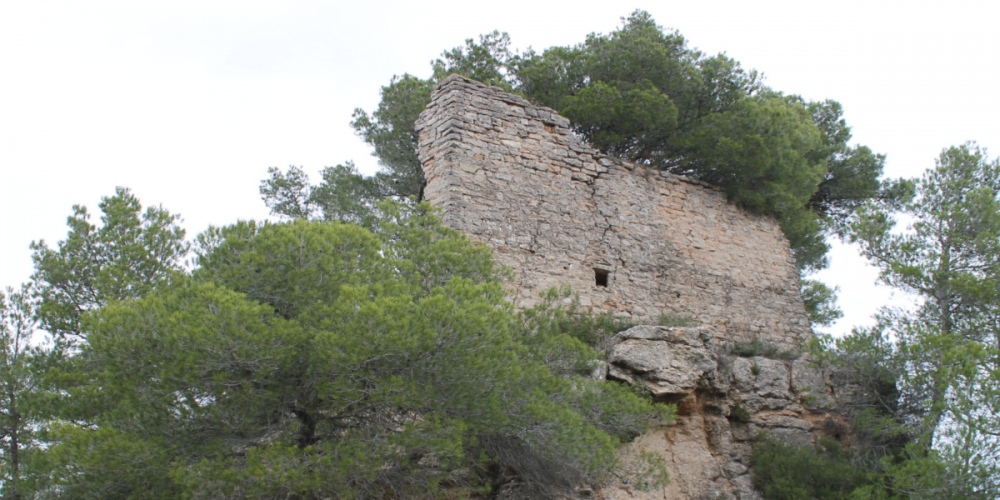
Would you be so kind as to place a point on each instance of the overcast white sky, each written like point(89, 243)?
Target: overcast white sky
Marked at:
point(189, 103)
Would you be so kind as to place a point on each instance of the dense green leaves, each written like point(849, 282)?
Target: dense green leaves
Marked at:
point(787, 472)
point(611, 117)
point(933, 371)
point(320, 359)
point(127, 256)
point(638, 62)
point(273, 267)
point(820, 302)
point(642, 94)
point(20, 408)
point(343, 195)
point(391, 131)
point(758, 152)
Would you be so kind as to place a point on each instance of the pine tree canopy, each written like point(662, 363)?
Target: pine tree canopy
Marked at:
point(642, 94)
point(321, 359)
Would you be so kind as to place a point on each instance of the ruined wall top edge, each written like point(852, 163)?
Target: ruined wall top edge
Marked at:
point(550, 117)
point(627, 239)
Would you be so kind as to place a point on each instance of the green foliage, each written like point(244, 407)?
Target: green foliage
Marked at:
point(642, 94)
point(610, 117)
point(557, 317)
point(391, 131)
point(821, 302)
point(949, 256)
point(740, 413)
point(928, 421)
point(758, 151)
point(391, 128)
point(112, 464)
point(810, 401)
point(676, 320)
point(490, 61)
point(787, 472)
point(638, 57)
point(952, 249)
point(853, 172)
point(932, 398)
point(757, 347)
point(343, 195)
point(268, 269)
point(317, 359)
point(827, 470)
point(129, 255)
point(877, 363)
point(19, 389)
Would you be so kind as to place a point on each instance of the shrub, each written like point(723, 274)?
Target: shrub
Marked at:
point(740, 413)
point(671, 320)
point(787, 472)
point(552, 318)
point(810, 401)
point(757, 347)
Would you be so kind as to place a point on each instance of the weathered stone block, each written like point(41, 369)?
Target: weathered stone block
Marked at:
point(668, 361)
point(767, 378)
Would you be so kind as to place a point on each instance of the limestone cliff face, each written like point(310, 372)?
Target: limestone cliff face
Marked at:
point(640, 243)
point(723, 401)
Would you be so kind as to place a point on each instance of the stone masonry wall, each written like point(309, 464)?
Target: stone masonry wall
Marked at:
point(513, 175)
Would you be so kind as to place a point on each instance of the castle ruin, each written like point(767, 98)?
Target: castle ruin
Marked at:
point(641, 243)
point(630, 240)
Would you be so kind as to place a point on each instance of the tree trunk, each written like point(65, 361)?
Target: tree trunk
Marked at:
point(15, 458)
point(307, 431)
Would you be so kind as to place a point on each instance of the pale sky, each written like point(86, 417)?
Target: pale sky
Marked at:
point(189, 103)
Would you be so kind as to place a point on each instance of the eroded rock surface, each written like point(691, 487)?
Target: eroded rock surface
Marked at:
point(667, 361)
point(724, 402)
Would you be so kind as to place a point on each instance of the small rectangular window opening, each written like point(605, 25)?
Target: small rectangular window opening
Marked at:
point(601, 277)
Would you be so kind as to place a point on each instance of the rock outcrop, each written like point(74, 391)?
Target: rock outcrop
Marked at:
point(724, 402)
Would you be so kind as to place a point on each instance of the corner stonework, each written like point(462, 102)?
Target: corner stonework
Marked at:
point(514, 176)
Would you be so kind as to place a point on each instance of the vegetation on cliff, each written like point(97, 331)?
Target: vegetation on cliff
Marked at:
point(930, 427)
point(363, 350)
point(944, 354)
point(642, 94)
point(297, 360)
point(788, 472)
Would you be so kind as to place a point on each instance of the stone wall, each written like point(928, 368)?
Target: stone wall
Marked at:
point(513, 175)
